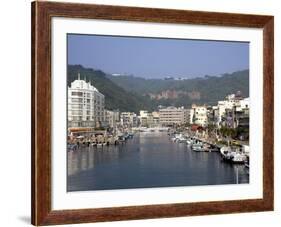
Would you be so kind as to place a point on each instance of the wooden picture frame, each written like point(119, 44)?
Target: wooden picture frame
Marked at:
point(42, 12)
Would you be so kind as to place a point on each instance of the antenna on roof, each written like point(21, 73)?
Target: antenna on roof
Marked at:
point(79, 76)
point(85, 79)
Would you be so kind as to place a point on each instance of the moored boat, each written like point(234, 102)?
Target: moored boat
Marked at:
point(188, 142)
point(197, 147)
point(181, 140)
point(238, 158)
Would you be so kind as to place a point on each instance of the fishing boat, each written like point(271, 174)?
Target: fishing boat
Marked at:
point(213, 148)
point(94, 144)
point(189, 142)
point(238, 157)
point(197, 147)
point(121, 139)
point(233, 155)
point(181, 140)
point(226, 153)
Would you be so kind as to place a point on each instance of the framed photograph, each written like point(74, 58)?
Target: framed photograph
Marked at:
point(142, 113)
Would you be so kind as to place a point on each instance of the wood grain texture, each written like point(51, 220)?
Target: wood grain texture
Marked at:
point(268, 113)
point(42, 12)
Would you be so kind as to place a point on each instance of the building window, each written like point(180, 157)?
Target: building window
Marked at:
point(76, 112)
point(76, 100)
point(77, 93)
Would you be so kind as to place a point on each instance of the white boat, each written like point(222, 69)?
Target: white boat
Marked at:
point(189, 142)
point(238, 157)
point(181, 140)
point(197, 147)
point(226, 153)
point(224, 150)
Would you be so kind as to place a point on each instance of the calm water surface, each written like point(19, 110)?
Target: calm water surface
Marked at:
point(148, 160)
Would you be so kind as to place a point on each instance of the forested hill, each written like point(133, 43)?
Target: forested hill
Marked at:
point(129, 93)
point(208, 89)
point(115, 96)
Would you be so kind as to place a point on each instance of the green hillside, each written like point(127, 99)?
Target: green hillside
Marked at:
point(115, 96)
point(211, 88)
point(129, 93)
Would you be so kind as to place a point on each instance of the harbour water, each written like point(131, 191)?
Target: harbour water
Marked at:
point(148, 160)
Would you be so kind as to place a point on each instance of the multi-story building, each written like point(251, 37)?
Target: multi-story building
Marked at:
point(156, 119)
point(128, 119)
point(112, 118)
point(213, 115)
point(188, 116)
point(99, 108)
point(85, 105)
point(143, 118)
point(244, 110)
point(171, 115)
point(149, 119)
point(200, 116)
point(233, 111)
point(230, 101)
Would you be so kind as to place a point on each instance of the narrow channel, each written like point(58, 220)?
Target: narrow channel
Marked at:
point(149, 159)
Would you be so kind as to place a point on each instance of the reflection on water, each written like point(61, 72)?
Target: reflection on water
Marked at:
point(148, 160)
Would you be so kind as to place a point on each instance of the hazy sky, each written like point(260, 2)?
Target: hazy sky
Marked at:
point(157, 58)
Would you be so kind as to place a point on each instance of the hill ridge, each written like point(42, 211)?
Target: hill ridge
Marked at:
point(129, 93)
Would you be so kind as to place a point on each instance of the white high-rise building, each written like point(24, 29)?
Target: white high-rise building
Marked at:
point(85, 105)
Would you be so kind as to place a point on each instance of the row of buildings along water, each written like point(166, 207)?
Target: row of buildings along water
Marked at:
point(86, 108)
